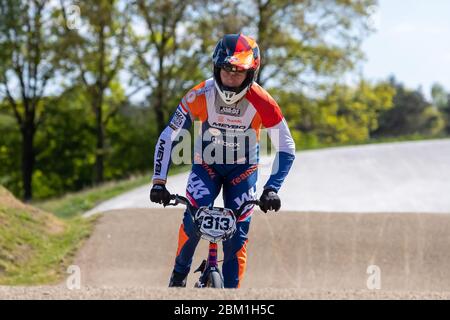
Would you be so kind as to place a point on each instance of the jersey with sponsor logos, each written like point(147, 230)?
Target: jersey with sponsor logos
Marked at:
point(229, 134)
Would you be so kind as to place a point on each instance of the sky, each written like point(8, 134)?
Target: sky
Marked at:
point(412, 42)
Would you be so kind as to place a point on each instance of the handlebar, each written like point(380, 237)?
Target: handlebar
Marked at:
point(182, 200)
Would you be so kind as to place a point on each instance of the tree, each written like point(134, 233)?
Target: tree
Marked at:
point(302, 43)
point(94, 53)
point(10, 159)
point(66, 147)
point(441, 99)
point(344, 114)
point(353, 112)
point(27, 64)
point(411, 114)
point(439, 95)
point(164, 52)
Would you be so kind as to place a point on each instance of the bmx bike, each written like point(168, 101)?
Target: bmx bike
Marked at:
point(215, 225)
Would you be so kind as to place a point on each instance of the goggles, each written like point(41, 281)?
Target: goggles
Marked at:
point(231, 68)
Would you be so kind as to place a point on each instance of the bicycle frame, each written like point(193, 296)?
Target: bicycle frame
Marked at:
point(209, 265)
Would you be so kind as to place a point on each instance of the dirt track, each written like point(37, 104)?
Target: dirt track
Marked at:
point(210, 294)
point(291, 256)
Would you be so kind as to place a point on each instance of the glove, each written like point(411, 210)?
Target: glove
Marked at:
point(159, 194)
point(270, 200)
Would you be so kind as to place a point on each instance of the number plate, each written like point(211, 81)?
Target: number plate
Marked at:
point(215, 224)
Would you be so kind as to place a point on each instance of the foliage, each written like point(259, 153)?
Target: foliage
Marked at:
point(344, 114)
point(412, 114)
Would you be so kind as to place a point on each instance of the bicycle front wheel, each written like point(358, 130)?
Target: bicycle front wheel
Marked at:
point(215, 280)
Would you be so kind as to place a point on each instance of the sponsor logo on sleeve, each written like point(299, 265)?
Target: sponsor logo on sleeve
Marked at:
point(178, 120)
point(159, 157)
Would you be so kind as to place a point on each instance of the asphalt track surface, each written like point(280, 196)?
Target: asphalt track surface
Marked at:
point(323, 250)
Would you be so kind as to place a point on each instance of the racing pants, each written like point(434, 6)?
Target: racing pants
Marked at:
point(205, 182)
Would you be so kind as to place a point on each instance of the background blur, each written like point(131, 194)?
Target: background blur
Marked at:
point(87, 86)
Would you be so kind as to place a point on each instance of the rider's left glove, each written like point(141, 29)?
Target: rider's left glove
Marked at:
point(160, 194)
point(270, 200)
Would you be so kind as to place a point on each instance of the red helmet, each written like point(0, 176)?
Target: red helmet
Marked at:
point(236, 52)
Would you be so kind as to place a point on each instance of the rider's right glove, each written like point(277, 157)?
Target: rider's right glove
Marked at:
point(270, 200)
point(159, 194)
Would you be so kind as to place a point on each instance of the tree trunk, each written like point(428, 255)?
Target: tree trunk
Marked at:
point(159, 106)
point(27, 160)
point(159, 111)
point(98, 107)
point(99, 154)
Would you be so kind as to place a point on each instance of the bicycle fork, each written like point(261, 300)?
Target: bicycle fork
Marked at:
point(208, 265)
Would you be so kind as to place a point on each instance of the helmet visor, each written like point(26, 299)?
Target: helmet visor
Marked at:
point(231, 68)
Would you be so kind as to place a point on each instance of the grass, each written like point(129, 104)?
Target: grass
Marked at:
point(35, 246)
point(74, 204)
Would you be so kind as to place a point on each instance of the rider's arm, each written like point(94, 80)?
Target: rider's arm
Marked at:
point(180, 120)
point(281, 139)
point(272, 119)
